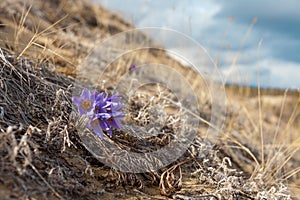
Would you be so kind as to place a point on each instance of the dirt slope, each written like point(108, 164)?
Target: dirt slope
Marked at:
point(42, 157)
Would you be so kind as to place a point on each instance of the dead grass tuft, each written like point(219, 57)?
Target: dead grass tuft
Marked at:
point(43, 157)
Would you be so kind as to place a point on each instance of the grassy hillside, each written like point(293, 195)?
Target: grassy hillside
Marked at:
point(43, 43)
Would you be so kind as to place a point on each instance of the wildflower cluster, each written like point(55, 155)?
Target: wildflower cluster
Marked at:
point(104, 111)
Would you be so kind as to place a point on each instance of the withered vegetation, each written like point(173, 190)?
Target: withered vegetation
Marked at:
point(42, 156)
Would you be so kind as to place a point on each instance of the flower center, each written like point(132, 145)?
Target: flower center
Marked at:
point(110, 119)
point(86, 104)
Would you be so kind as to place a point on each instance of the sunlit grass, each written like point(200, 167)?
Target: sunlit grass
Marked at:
point(261, 132)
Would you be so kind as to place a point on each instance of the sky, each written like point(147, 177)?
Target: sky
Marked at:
point(245, 37)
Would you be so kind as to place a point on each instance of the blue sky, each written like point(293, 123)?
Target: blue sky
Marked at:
point(208, 22)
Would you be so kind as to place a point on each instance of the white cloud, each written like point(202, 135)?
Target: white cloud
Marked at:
point(207, 22)
point(273, 73)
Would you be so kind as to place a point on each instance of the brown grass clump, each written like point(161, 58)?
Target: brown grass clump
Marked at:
point(43, 157)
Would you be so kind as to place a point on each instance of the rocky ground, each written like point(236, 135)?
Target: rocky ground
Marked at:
point(43, 44)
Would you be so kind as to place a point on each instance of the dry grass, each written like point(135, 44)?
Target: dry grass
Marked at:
point(43, 157)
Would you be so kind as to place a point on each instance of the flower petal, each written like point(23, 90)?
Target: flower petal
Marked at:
point(116, 107)
point(114, 98)
point(97, 129)
point(100, 97)
point(85, 93)
point(103, 116)
point(117, 114)
point(116, 123)
point(104, 125)
point(76, 100)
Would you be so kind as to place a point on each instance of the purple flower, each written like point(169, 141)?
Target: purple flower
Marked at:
point(104, 112)
point(132, 67)
point(95, 124)
point(108, 112)
point(85, 102)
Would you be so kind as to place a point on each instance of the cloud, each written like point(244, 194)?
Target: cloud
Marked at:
point(278, 23)
point(172, 14)
point(268, 10)
point(208, 23)
point(273, 73)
